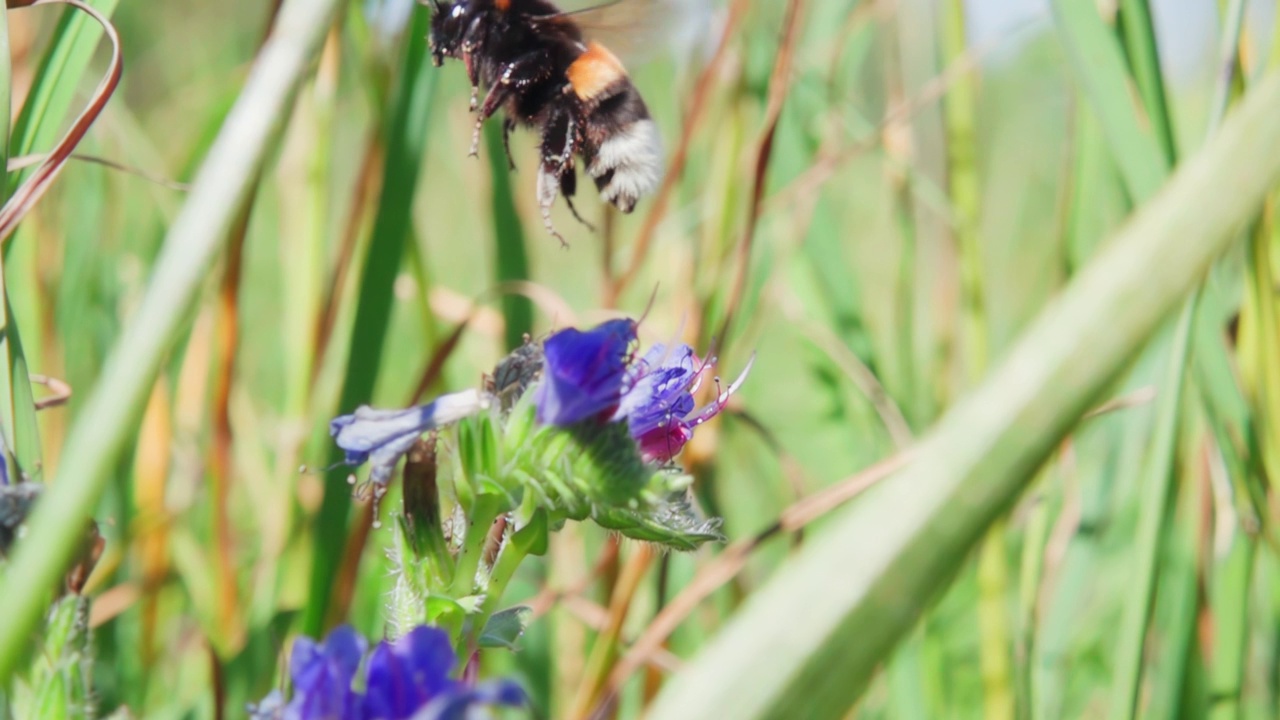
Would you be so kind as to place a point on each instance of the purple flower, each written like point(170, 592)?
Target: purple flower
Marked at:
point(407, 674)
point(583, 372)
point(405, 678)
point(383, 436)
point(659, 407)
point(322, 675)
point(589, 374)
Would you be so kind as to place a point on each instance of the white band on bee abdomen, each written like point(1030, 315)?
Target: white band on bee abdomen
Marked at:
point(634, 155)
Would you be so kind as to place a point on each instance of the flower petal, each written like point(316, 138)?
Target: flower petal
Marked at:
point(383, 436)
point(583, 372)
point(407, 674)
point(455, 706)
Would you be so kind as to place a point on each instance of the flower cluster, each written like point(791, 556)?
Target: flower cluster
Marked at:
point(587, 376)
point(591, 376)
point(405, 678)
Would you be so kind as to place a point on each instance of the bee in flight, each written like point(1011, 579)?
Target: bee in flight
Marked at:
point(535, 64)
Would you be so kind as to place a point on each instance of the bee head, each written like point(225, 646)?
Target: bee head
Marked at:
point(448, 24)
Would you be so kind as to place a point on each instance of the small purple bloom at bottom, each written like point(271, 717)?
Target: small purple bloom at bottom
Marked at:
point(404, 678)
point(322, 674)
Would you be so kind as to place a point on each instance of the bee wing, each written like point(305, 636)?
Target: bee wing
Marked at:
point(638, 31)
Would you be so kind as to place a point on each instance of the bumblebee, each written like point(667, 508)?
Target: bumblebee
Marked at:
point(534, 63)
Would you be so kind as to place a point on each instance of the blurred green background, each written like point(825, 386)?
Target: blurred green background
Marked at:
point(936, 174)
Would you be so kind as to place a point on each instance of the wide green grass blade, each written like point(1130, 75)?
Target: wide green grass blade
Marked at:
point(405, 144)
point(1153, 516)
point(111, 413)
point(1083, 29)
point(813, 636)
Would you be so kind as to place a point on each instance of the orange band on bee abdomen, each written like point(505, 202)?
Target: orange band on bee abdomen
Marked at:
point(594, 71)
point(502, 5)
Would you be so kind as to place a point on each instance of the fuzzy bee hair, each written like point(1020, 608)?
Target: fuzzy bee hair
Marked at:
point(534, 64)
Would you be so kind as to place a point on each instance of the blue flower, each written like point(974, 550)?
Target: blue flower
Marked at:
point(383, 436)
point(322, 676)
point(591, 375)
point(407, 674)
point(583, 372)
point(405, 678)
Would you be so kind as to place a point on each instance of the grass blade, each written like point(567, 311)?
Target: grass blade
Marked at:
point(510, 261)
point(1100, 68)
point(1153, 518)
point(405, 145)
point(17, 407)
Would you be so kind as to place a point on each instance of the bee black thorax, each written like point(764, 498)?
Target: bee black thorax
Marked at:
point(532, 62)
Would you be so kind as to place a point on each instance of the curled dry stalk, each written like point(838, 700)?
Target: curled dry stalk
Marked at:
point(30, 192)
point(779, 85)
point(61, 390)
point(22, 162)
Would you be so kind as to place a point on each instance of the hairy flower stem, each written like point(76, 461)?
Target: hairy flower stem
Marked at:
point(520, 545)
point(485, 510)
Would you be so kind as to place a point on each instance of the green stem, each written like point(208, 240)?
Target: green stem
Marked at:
point(485, 510)
point(516, 550)
point(1034, 539)
point(510, 259)
point(1229, 596)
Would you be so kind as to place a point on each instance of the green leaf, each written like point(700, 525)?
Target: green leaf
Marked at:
point(505, 627)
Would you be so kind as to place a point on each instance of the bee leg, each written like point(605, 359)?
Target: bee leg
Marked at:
point(548, 189)
point(555, 172)
point(515, 75)
point(507, 126)
point(473, 75)
point(566, 183)
point(568, 177)
point(492, 101)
